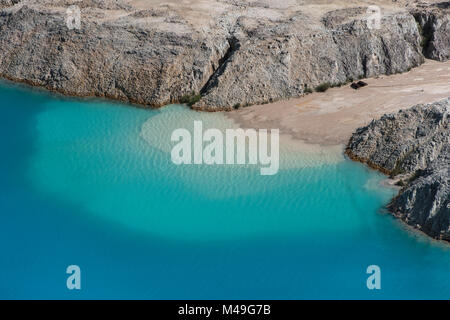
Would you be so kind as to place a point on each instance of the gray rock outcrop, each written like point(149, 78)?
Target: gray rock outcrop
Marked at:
point(234, 52)
point(434, 25)
point(414, 146)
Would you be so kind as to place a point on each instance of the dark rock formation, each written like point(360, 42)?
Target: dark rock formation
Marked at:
point(359, 84)
point(414, 145)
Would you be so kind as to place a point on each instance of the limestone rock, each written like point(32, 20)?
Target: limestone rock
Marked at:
point(414, 143)
point(234, 52)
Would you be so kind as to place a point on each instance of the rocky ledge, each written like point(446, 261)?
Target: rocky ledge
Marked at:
point(216, 54)
point(413, 146)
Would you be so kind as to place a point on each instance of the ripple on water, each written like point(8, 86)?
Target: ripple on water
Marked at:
point(194, 232)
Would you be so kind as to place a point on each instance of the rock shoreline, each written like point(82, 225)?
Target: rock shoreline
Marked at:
point(412, 146)
point(242, 53)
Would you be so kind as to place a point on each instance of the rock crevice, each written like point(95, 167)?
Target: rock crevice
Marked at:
point(413, 146)
point(434, 26)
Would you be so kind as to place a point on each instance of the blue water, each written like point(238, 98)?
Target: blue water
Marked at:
point(92, 184)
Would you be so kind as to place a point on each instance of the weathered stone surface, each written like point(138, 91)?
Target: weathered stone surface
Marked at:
point(434, 23)
point(415, 144)
point(234, 52)
point(425, 203)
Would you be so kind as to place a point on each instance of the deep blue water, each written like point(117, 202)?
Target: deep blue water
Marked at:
point(91, 183)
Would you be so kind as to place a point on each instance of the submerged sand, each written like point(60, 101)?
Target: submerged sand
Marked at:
point(330, 118)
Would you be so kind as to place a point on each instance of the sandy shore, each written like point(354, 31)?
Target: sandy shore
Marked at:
point(330, 118)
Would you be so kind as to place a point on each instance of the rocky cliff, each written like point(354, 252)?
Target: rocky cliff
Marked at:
point(413, 146)
point(218, 54)
point(434, 26)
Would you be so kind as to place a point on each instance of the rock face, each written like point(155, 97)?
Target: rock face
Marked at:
point(7, 3)
point(413, 144)
point(234, 52)
point(269, 62)
point(434, 22)
point(115, 59)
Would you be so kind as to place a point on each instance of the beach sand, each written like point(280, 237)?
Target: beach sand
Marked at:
point(331, 117)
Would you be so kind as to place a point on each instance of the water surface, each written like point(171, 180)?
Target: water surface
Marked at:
point(91, 183)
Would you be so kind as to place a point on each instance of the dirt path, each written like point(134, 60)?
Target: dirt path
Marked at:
point(330, 118)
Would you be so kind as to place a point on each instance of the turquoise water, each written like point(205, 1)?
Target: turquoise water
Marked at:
point(92, 184)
